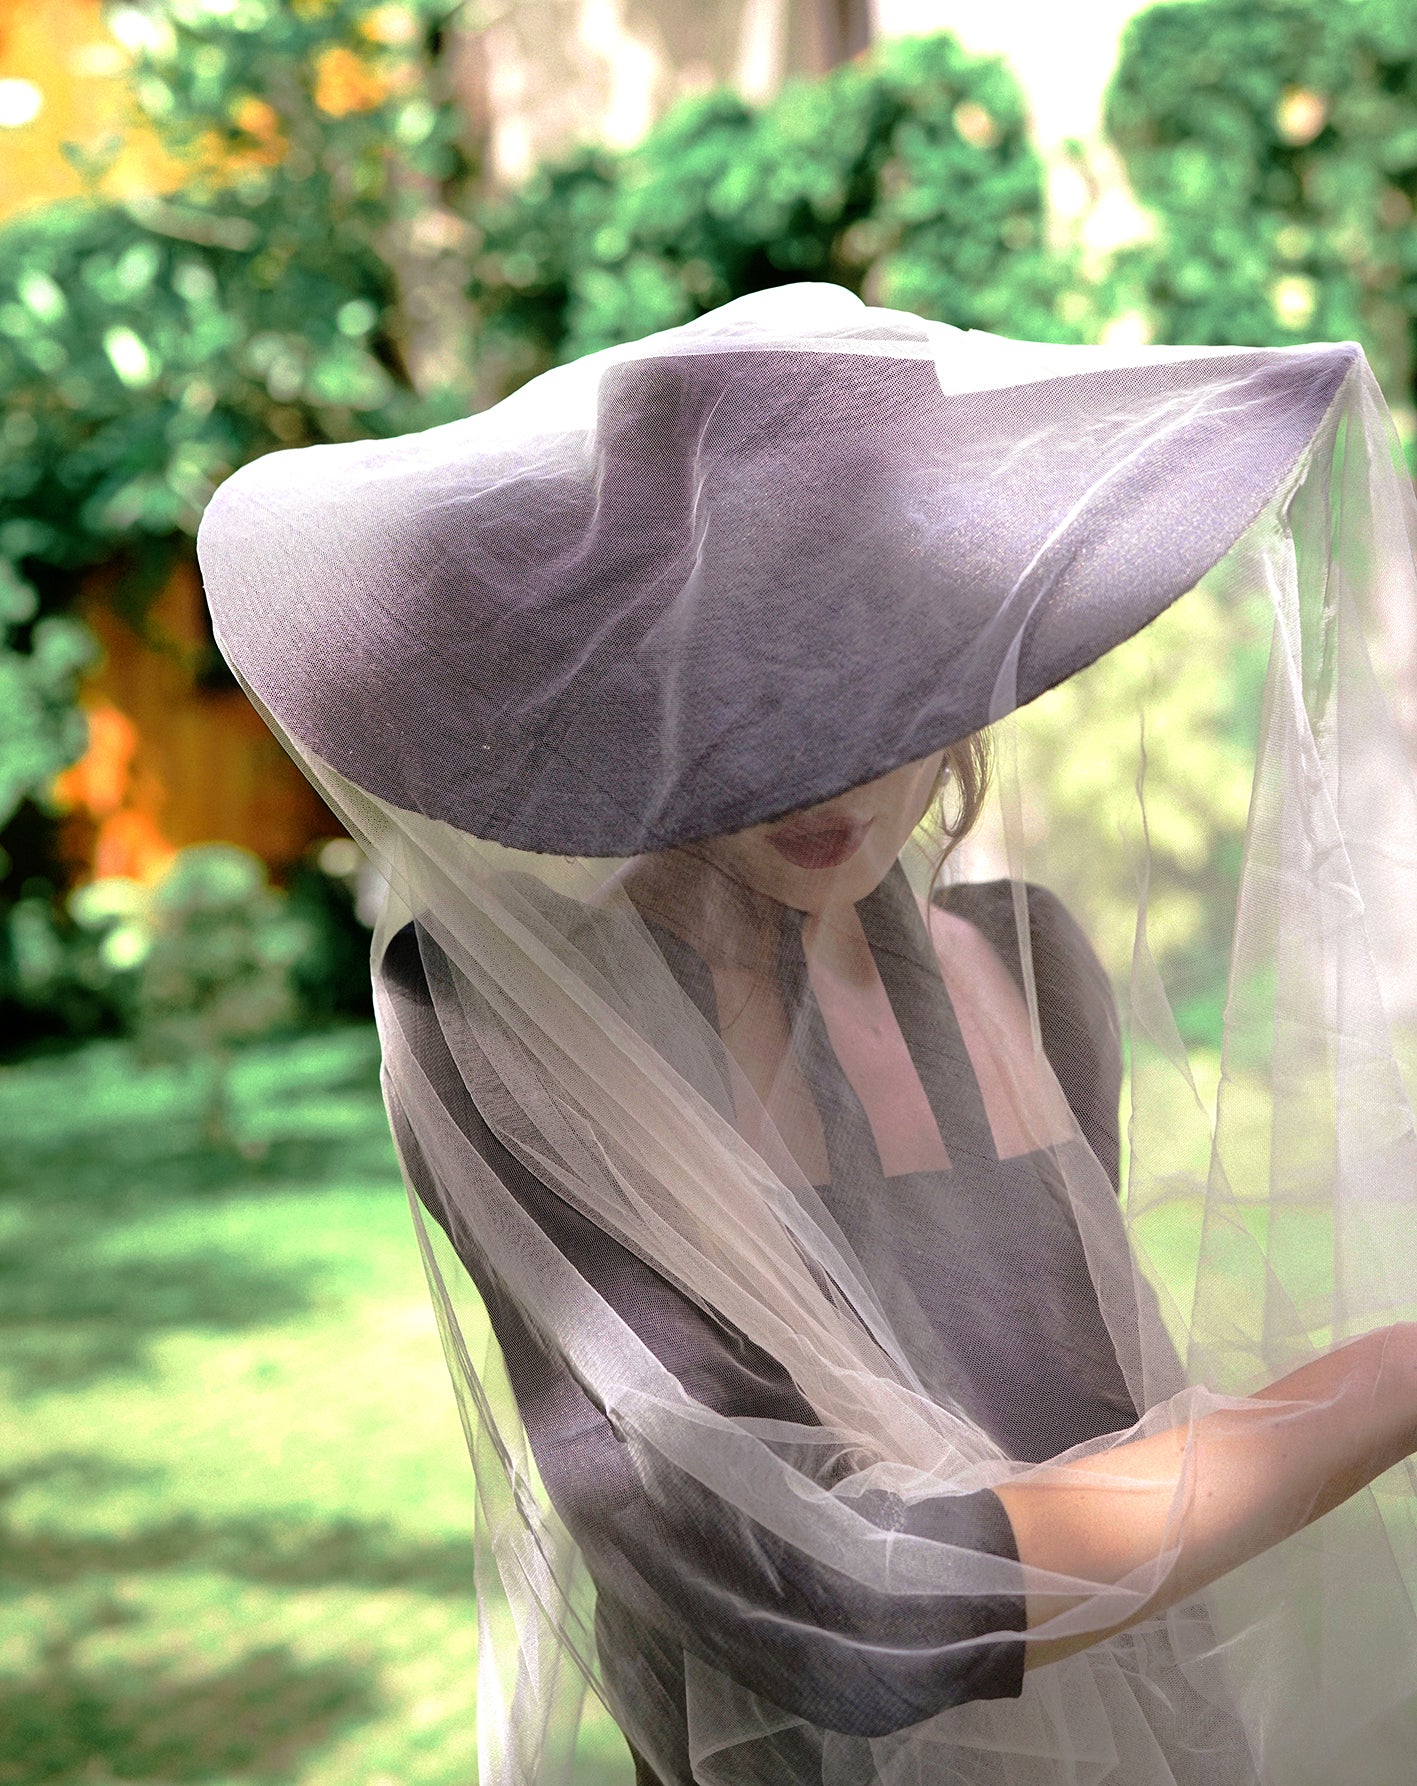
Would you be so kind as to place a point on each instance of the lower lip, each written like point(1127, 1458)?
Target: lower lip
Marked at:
point(819, 846)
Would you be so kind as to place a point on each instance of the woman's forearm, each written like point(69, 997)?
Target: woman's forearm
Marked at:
point(1253, 1476)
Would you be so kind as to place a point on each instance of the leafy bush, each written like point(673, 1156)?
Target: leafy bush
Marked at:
point(906, 175)
point(147, 349)
point(59, 975)
point(208, 957)
point(1276, 141)
point(327, 893)
point(217, 961)
point(41, 728)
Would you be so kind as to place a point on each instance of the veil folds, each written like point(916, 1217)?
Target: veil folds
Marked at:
point(750, 1308)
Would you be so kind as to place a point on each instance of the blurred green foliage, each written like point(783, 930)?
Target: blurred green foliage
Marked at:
point(1276, 143)
point(906, 175)
point(149, 348)
point(1133, 780)
point(217, 967)
point(208, 957)
point(329, 893)
point(41, 658)
point(71, 967)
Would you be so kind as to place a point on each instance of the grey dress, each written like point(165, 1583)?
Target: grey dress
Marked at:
point(979, 1265)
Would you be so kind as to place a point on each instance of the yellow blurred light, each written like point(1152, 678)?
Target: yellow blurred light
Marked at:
point(392, 26)
point(129, 356)
point(1132, 329)
point(21, 102)
point(340, 856)
point(1300, 115)
point(142, 33)
point(71, 53)
point(976, 125)
point(259, 120)
point(1293, 301)
point(99, 61)
point(257, 117)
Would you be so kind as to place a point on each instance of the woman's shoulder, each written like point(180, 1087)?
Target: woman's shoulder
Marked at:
point(1077, 1013)
point(525, 900)
point(993, 906)
point(1062, 957)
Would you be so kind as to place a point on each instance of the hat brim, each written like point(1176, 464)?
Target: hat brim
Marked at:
point(752, 580)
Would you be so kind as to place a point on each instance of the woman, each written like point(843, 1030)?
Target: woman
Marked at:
point(831, 1426)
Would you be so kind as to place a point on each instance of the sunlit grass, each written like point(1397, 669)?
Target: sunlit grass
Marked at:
point(237, 1507)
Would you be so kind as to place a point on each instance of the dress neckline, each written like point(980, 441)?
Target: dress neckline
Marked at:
point(905, 959)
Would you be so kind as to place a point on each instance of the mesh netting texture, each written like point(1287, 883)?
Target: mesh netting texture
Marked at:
point(886, 1355)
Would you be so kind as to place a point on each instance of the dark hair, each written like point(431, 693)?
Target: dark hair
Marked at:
point(958, 796)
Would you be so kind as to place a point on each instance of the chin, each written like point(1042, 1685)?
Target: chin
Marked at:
point(815, 890)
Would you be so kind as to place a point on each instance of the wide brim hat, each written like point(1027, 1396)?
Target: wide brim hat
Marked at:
point(685, 587)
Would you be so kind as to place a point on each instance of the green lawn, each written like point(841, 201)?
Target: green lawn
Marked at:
point(236, 1504)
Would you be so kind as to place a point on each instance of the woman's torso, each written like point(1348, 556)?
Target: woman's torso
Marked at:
point(975, 1259)
point(971, 1247)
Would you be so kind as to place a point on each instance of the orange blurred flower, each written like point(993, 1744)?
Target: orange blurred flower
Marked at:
point(127, 839)
point(345, 83)
point(98, 783)
point(130, 844)
point(259, 119)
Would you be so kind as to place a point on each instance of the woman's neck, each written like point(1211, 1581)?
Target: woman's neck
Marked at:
point(725, 921)
point(731, 924)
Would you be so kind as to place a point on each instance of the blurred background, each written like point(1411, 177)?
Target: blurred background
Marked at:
point(234, 1510)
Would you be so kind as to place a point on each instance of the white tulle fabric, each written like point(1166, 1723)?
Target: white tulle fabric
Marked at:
point(1285, 1206)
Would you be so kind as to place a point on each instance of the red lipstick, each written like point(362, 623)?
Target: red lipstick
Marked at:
point(824, 842)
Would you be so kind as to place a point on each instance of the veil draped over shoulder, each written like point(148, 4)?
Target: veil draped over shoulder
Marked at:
point(752, 1307)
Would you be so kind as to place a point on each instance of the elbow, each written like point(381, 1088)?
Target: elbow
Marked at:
point(873, 1696)
point(869, 1669)
point(811, 1640)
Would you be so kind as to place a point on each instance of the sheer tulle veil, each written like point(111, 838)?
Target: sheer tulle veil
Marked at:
point(678, 590)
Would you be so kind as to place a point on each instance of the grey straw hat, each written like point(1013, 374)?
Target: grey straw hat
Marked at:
point(711, 582)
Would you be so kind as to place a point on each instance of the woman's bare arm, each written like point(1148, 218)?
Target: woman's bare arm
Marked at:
point(1256, 1475)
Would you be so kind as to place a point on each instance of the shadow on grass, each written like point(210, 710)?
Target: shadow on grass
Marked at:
point(92, 1143)
point(290, 1552)
point(257, 1716)
point(102, 1132)
point(276, 1549)
point(111, 1236)
point(68, 1317)
point(136, 1168)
